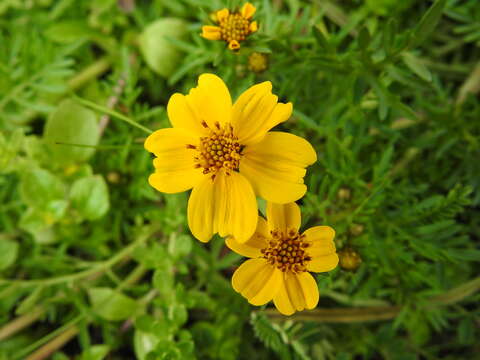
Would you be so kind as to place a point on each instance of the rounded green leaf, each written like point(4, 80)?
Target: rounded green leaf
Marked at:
point(71, 123)
point(8, 253)
point(89, 197)
point(111, 305)
point(156, 45)
point(39, 187)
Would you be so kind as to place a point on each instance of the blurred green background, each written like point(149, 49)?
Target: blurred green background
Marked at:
point(95, 264)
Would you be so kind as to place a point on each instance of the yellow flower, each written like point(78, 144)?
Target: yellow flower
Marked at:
point(232, 27)
point(281, 258)
point(227, 155)
point(257, 62)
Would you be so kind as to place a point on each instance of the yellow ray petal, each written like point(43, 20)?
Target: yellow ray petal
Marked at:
point(257, 281)
point(174, 165)
point(248, 10)
point(234, 45)
point(283, 217)
point(323, 263)
point(297, 292)
point(253, 27)
point(321, 249)
point(211, 32)
point(222, 14)
point(276, 166)
point(256, 111)
point(210, 100)
point(251, 248)
point(226, 205)
point(183, 116)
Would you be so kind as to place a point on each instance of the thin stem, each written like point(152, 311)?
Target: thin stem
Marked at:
point(375, 313)
point(112, 113)
point(83, 274)
point(21, 322)
point(90, 72)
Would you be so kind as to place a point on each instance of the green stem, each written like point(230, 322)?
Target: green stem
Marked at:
point(112, 113)
point(375, 313)
point(90, 72)
point(21, 322)
point(83, 274)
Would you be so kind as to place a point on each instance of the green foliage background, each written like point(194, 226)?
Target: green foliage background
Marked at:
point(95, 264)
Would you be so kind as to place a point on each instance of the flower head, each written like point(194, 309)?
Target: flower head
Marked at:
point(257, 62)
point(233, 27)
point(281, 259)
point(228, 156)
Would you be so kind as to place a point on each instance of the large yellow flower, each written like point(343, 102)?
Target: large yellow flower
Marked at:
point(233, 27)
point(281, 258)
point(226, 154)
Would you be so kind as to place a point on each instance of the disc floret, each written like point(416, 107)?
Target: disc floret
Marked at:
point(220, 149)
point(287, 251)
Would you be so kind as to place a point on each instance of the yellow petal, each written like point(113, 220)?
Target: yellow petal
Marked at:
point(256, 111)
point(226, 205)
point(174, 165)
point(253, 27)
point(297, 292)
point(251, 248)
point(321, 249)
point(248, 10)
point(276, 166)
point(210, 100)
point(234, 45)
point(257, 281)
point(222, 14)
point(283, 217)
point(211, 32)
point(183, 116)
point(323, 263)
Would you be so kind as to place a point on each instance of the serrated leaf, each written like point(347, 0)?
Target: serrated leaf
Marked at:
point(90, 197)
point(71, 123)
point(111, 305)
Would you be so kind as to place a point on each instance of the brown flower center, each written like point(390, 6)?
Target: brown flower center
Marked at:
point(220, 149)
point(234, 27)
point(287, 251)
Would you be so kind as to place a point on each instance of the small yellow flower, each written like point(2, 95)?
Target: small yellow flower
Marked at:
point(349, 259)
point(257, 62)
point(281, 258)
point(228, 156)
point(232, 27)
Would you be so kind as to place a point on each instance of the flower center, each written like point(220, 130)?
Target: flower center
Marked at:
point(287, 251)
point(220, 149)
point(234, 27)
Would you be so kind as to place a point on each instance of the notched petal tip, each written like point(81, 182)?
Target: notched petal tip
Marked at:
point(234, 45)
point(248, 10)
point(222, 14)
point(211, 32)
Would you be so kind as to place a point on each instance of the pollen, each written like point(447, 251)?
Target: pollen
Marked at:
point(219, 150)
point(234, 27)
point(287, 251)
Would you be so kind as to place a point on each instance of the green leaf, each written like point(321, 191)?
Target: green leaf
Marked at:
point(416, 66)
point(161, 54)
point(89, 197)
point(39, 187)
point(35, 222)
point(180, 245)
point(73, 124)
point(111, 305)
point(321, 40)
point(8, 253)
point(144, 343)
point(428, 23)
point(96, 352)
point(68, 31)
